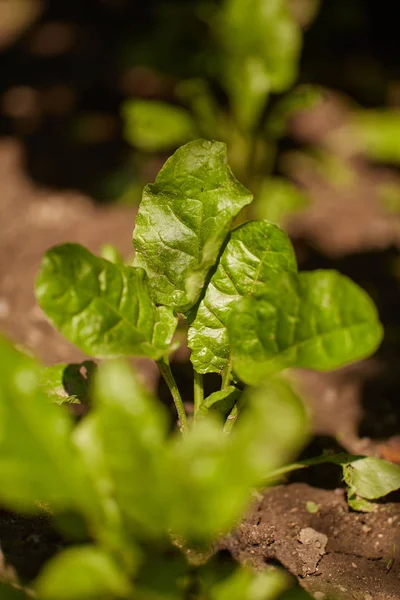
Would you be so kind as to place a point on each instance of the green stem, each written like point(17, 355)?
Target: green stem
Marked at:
point(233, 415)
point(198, 391)
point(163, 365)
point(226, 376)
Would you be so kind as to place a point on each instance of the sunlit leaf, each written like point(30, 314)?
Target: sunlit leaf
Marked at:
point(379, 134)
point(255, 252)
point(371, 478)
point(318, 320)
point(102, 307)
point(184, 219)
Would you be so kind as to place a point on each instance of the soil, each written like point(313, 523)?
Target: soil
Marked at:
point(332, 552)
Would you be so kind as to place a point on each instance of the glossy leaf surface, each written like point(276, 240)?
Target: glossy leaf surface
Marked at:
point(183, 220)
point(255, 252)
point(371, 478)
point(153, 125)
point(318, 320)
point(102, 307)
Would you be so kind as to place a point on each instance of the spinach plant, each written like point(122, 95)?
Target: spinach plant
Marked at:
point(249, 312)
point(252, 63)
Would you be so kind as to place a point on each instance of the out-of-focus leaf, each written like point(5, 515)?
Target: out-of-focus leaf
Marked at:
point(371, 478)
point(212, 475)
point(66, 383)
point(184, 219)
point(255, 252)
point(153, 125)
point(37, 457)
point(379, 134)
point(262, 45)
point(8, 592)
point(104, 308)
point(318, 320)
point(245, 584)
point(196, 94)
point(82, 573)
point(277, 199)
point(111, 253)
point(127, 437)
point(301, 98)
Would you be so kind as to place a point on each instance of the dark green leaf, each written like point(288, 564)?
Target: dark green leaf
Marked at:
point(255, 252)
point(319, 320)
point(103, 308)
point(184, 219)
point(153, 125)
point(8, 592)
point(82, 573)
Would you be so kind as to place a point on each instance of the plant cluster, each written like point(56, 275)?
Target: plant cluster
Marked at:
point(145, 504)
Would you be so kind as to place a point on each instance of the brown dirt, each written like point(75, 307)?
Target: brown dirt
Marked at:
point(334, 553)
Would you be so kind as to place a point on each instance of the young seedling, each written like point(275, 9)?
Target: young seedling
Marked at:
point(249, 312)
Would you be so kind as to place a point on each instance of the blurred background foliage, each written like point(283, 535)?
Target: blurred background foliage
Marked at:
point(77, 78)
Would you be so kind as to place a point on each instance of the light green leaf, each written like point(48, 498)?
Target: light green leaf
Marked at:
point(319, 320)
point(212, 475)
point(278, 199)
point(153, 125)
point(126, 439)
point(103, 308)
point(222, 400)
point(262, 46)
point(82, 573)
point(371, 478)
point(184, 219)
point(37, 457)
point(68, 383)
point(379, 134)
point(245, 584)
point(255, 252)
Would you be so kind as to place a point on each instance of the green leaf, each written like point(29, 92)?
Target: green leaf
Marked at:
point(153, 125)
point(68, 383)
point(212, 475)
point(371, 478)
point(82, 573)
point(255, 252)
point(103, 308)
point(222, 400)
point(37, 457)
point(184, 219)
point(262, 46)
point(319, 320)
point(379, 134)
point(126, 443)
point(245, 584)
point(277, 199)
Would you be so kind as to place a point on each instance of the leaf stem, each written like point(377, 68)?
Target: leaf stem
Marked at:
point(198, 391)
point(226, 376)
point(233, 415)
point(165, 369)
